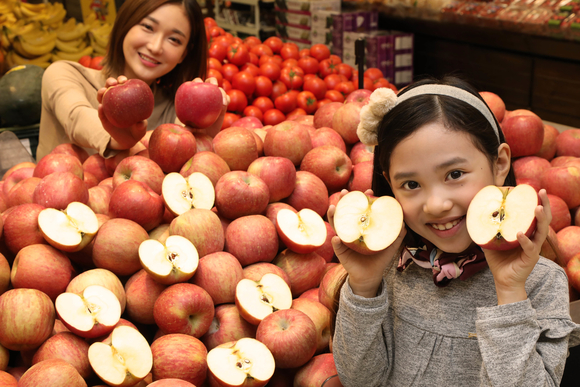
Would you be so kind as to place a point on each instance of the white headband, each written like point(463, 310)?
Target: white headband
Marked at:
point(382, 100)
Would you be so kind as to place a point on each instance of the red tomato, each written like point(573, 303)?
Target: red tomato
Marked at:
point(239, 40)
point(383, 82)
point(253, 111)
point(316, 86)
point(323, 102)
point(214, 31)
point(335, 58)
point(254, 59)
point(320, 52)
point(334, 96)
point(308, 64)
point(346, 70)
point(238, 100)
point(252, 41)
point(245, 82)
point(263, 86)
point(304, 52)
point(252, 68)
point(309, 76)
point(331, 81)
point(261, 50)
point(293, 77)
point(275, 44)
point(278, 88)
point(217, 75)
point(229, 119)
point(373, 73)
point(273, 117)
point(222, 40)
point(295, 113)
point(238, 54)
point(345, 88)
point(263, 103)
point(270, 70)
point(289, 50)
point(307, 101)
point(208, 22)
point(217, 51)
point(277, 59)
point(213, 63)
point(227, 86)
point(289, 63)
point(229, 70)
point(327, 67)
point(286, 102)
point(367, 83)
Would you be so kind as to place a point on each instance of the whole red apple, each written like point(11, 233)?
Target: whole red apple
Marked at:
point(573, 271)
point(548, 149)
point(524, 134)
point(208, 163)
point(237, 146)
point(14, 178)
point(278, 173)
point(362, 177)
point(359, 95)
point(251, 239)
point(59, 189)
point(561, 216)
point(141, 169)
point(126, 104)
point(320, 316)
point(52, 372)
point(179, 356)
point(495, 103)
point(330, 164)
point(21, 227)
point(7, 380)
point(530, 166)
point(239, 193)
point(24, 164)
point(141, 291)
point(136, 201)
point(327, 136)
point(288, 139)
point(99, 199)
point(170, 146)
point(330, 284)
point(563, 182)
point(316, 371)
point(324, 115)
point(309, 192)
point(304, 270)
point(227, 325)
point(345, 121)
point(73, 150)
point(568, 143)
point(58, 162)
point(219, 273)
point(202, 227)
point(68, 347)
point(568, 243)
point(22, 192)
point(198, 104)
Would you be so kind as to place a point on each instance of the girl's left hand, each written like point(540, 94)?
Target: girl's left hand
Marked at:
point(511, 268)
point(215, 128)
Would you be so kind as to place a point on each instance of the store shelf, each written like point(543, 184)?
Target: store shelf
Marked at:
point(254, 29)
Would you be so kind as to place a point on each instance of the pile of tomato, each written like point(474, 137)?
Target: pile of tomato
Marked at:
point(274, 81)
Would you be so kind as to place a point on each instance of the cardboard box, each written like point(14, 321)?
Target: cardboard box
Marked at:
point(320, 35)
point(301, 34)
point(309, 6)
point(291, 18)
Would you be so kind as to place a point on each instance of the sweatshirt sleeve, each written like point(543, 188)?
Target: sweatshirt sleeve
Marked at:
point(526, 343)
point(360, 345)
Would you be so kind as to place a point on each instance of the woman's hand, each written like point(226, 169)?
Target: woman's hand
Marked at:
point(215, 128)
point(365, 271)
point(121, 138)
point(511, 268)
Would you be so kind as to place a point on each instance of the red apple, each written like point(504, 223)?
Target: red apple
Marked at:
point(239, 193)
point(345, 121)
point(73, 150)
point(99, 199)
point(126, 104)
point(495, 103)
point(524, 134)
point(361, 153)
point(141, 291)
point(327, 136)
point(237, 146)
point(202, 227)
point(530, 166)
point(136, 201)
point(563, 182)
point(318, 370)
point(208, 163)
point(25, 164)
point(22, 192)
point(52, 372)
point(320, 316)
point(170, 146)
point(198, 104)
point(330, 284)
point(359, 95)
point(252, 239)
point(14, 178)
point(330, 164)
point(68, 347)
point(568, 143)
point(21, 227)
point(362, 177)
point(309, 192)
point(59, 189)
point(227, 325)
point(95, 164)
point(141, 169)
point(568, 243)
point(7, 380)
point(219, 273)
point(102, 277)
point(303, 270)
point(288, 139)
point(58, 162)
point(548, 149)
point(278, 173)
point(4, 276)
point(560, 213)
point(181, 357)
point(573, 271)
point(324, 115)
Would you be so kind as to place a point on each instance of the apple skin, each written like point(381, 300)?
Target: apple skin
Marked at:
point(324, 115)
point(202, 227)
point(25, 164)
point(288, 139)
point(256, 271)
point(119, 255)
point(330, 164)
point(290, 335)
point(14, 178)
point(219, 273)
point(42, 267)
point(204, 142)
point(330, 284)
point(326, 251)
point(68, 347)
point(227, 325)
point(565, 161)
point(7, 380)
point(360, 153)
point(548, 149)
point(4, 359)
point(95, 164)
point(309, 192)
point(90, 180)
point(52, 372)
point(534, 182)
point(142, 291)
point(568, 143)
point(102, 277)
point(304, 270)
point(208, 163)
point(73, 150)
point(362, 177)
point(563, 182)
point(237, 146)
point(252, 239)
point(239, 193)
point(136, 201)
point(278, 173)
point(58, 162)
point(184, 308)
point(327, 136)
point(26, 320)
point(311, 294)
point(141, 169)
point(530, 166)
point(495, 103)
point(272, 213)
point(198, 104)
point(170, 382)
point(170, 146)
point(568, 243)
point(524, 134)
point(561, 216)
point(573, 271)
point(59, 189)
point(4, 275)
point(359, 95)
point(316, 371)
point(179, 356)
point(345, 121)
point(126, 104)
point(21, 227)
point(99, 199)
point(22, 192)
point(248, 122)
point(320, 316)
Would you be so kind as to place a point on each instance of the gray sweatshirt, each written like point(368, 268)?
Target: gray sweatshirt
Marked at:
point(416, 334)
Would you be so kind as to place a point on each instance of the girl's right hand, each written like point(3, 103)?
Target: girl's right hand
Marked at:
point(365, 271)
point(121, 138)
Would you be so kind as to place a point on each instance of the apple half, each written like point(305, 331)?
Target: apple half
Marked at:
point(171, 262)
point(245, 362)
point(367, 224)
point(257, 299)
point(181, 194)
point(302, 232)
point(68, 230)
point(92, 313)
point(123, 359)
point(497, 214)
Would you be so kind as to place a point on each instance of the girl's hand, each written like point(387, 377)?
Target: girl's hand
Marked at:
point(511, 268)
point(215, 128)
point(365, 271)
point(121, 138)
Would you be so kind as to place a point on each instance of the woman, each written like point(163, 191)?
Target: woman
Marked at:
point(161, 42)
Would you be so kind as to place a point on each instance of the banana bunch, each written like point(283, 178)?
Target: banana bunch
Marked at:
point(99, 36)
point(48, 14)
point(71, 41)
point(7, 11)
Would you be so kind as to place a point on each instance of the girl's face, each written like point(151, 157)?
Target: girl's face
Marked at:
point(434, 174)
point(157, 44)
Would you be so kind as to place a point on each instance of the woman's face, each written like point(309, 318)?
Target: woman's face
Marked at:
point(158, 43)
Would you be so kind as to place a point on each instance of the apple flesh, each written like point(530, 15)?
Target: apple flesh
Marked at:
point(302, 232)
point(171, 262)
point(497, 214)
point(257, 299)
point(181, 194)
point(126, 104)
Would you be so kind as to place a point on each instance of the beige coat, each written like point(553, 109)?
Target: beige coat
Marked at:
point(69, 110)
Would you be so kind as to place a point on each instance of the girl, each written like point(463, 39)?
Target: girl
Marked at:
point(450, 314)
point(161, 42)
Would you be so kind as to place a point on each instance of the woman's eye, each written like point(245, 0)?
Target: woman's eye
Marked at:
point(455, 175)
point(411, 185)
point(146, 26)
point(175, 40)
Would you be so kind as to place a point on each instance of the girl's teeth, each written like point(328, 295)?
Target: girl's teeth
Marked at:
point(445, 226)
point(148, 59)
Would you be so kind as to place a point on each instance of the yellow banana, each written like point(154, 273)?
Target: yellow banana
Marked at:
point(90, 18)
point(54, 17)
point(73, 56)
point(29, 13)
point(104, 29)
point(34, 34)
point(99, 50)
point(4, 42)
point(18, 12)
point(79, 31)
point(19, 60)
point(71, 48)
point(101, 40)
point(39, 40)
point(24, 29)
point(33, 49)
point(33, 7)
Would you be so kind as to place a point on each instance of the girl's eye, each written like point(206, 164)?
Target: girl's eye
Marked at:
point(147, 26)
point(455, 175)
point(175, 40)
point(411, 185)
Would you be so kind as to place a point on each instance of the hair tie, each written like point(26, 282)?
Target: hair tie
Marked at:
point(383, 99)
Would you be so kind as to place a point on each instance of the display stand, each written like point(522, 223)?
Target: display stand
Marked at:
point(237, 28)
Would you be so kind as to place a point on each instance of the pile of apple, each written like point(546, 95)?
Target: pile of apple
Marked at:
point(545, 158)
point(274, 81)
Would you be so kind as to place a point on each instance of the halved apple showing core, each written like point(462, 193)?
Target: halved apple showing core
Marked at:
point(240, 363)
point(302, 232)
point(367, 224)
point(181, 194)
point(123, 359)
point(497, 214)
point(169, 263)
point(68, 230)
point(257, 299)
